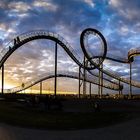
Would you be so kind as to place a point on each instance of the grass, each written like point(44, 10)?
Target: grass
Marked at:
point(19, 115)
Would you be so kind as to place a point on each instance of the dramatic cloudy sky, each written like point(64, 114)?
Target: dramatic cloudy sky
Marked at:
point(118, 20)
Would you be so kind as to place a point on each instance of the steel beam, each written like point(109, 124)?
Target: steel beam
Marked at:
point(79, 85)
point(90, 90)
point(119, 89)
point(40, 87)
point(55, 79)
point(84, 81)
point(101, 82)
point(2, 84)
point(130, 93)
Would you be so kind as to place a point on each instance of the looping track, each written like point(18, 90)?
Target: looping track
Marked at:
point(95, 32)
point(131, 53)
point(41, 34)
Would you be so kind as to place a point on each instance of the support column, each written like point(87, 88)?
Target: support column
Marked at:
point(101, 82)
point(130, 93)
point(40, 87)
point(99, 85)
point(90, 90)
point(55, 80)
point(79, 81)
point(2, 82)
point(84, 82)
point(119, 89)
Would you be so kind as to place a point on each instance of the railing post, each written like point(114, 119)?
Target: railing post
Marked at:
point(55, 80)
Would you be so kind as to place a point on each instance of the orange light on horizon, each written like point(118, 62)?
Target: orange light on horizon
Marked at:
point(33, 91)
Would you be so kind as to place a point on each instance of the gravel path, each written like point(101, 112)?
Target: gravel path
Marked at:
point(125, 131)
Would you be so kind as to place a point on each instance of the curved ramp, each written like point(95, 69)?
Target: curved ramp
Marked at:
point(72, 75)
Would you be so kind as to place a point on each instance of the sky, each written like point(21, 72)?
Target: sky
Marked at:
point(117, 20)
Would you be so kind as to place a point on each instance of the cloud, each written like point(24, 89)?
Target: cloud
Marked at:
point(129, 10)
point(117, 20)
point(19, 6)
point(48, 6)
point(90, 3)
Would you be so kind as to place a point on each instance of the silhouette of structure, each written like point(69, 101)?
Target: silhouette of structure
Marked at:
point(73, 75)
point(85, 68)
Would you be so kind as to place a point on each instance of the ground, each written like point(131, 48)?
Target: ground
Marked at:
point(127, 128)
point(123, 131)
